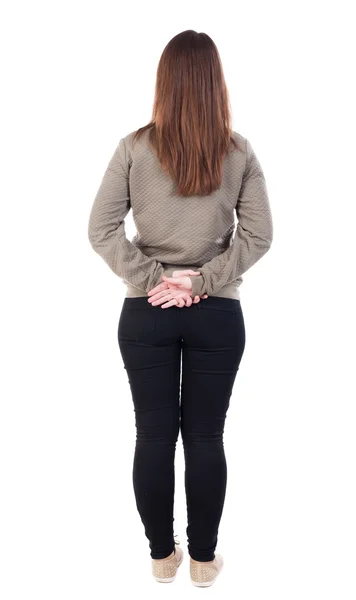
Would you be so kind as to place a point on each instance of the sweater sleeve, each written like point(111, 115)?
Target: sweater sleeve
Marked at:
point(253, 235)
point(106, 228)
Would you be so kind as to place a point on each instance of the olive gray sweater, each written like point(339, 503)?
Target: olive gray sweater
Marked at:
point(178, 233)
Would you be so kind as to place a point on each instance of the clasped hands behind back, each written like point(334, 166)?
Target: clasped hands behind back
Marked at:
point(175, 290)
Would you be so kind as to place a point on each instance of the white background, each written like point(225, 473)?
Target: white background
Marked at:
point(78, 76)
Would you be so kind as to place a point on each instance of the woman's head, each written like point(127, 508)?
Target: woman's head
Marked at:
point(190, 128)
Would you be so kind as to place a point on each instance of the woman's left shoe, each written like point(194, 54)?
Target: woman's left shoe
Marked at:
point(164, 570)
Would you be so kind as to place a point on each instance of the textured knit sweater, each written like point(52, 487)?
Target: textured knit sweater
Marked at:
point(176, 232)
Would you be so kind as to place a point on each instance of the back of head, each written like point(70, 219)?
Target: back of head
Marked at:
point(190, 129)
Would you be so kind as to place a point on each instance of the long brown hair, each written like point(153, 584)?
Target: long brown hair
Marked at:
point(190, 129)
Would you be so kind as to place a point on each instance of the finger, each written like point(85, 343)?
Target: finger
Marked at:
point(178, 273)
point(176, 280)
point(189, 301)
point(172, 302)
point(181, 273)
point(158, 288)
point(158, 295)
point(179, 301)
point(161, 300)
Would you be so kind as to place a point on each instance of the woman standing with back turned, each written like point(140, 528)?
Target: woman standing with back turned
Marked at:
point(184, 175)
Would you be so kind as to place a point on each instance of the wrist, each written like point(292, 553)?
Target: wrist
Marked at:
point(197, 286)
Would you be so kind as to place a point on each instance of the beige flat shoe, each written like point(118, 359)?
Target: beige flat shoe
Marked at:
point(203, 574)
point(165, 570)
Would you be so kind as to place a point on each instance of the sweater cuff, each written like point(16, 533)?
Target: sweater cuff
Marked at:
point(198, 285)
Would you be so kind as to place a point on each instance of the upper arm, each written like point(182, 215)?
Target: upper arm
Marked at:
point(112, 200)
point(253, 208)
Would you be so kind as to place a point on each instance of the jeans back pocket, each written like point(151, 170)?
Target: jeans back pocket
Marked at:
point(219, 303)
point(136, 324)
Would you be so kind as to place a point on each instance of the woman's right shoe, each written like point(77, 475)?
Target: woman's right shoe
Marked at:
point(203, 574)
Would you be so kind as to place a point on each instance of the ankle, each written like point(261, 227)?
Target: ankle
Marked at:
point(167, 557)
point(200, 562)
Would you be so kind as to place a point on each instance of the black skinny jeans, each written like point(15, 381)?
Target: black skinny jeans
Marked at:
point(206, 342)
